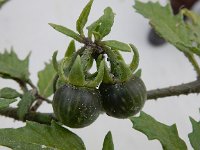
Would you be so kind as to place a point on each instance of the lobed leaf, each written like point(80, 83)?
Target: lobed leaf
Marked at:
point(195, 135)
point(82, 20)
point(167, 135)
point(12, 67)
point(25, 103)
point(35, 136)
point(116, 45)
point(108, 142)
point(9, 93)
point(66, 31)
point(169, 26)
point(46, 78)
point(4, 103)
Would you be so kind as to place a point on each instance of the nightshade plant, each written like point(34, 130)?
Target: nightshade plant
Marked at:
point(81, 96)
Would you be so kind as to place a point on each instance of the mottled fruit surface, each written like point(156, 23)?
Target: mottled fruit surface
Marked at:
point(122, 100)
point(76, 107)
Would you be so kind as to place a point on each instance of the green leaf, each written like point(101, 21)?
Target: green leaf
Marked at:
point(193, 25)
point(82, 20)
point(108, 142)
point(12, 67)
point(169, 26)
point(76, 75)
point(66, 31)
point(2, 2)
point(116, 45)
point(107, 21)
point(46, 78)
point(103, 25)
point(25, 103)
point(4, 103)
point(70, 49)
point(35, 136)
point(8, 93)
point(167, 135)
point(195, 135)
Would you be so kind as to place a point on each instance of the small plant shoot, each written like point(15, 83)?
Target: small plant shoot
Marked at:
point(114, 88)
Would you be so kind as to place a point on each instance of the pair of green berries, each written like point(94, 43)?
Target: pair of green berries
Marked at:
point(81, 96)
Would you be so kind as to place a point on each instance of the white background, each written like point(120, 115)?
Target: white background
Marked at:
point(24, 25)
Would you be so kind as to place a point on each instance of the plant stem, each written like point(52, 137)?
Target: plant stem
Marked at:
point(43, 118)
point(194, 63)
point(182, 89)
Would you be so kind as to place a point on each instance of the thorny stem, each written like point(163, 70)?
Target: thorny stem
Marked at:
point(182, 89)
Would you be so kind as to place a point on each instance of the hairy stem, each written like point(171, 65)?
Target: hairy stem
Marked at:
point(43, 118)
point(182, 89)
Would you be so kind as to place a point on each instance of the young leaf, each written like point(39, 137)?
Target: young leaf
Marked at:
point(169, 26)
point(4, 103)
point(45, 82)
point(82, 20)
point(104, 24)
point(70, 49)
point(76, 75)
point(118, 45)
point(35, 136)
point(25, 104)
point(12, 67)
point(167, 135)
point(108, 142)
point(66, 31)
point(8, 93)
point(195, 135)
point(107, 21)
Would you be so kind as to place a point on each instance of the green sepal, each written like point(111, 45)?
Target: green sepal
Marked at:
point(98, 79)
point(54, 60)
point(76, 74)
point(108, 77)
point(135, 61)
point(61, 70)
point(85, 58)
point(82, 20)
point(138, 73)
point(67, 32)
point(117, 45)
point(70, 49)
point(90, 63)
point(119, 68)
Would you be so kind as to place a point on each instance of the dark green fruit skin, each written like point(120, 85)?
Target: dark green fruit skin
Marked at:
point(122, 100)
point(77, 107)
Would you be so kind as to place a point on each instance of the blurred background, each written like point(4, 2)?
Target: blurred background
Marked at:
point(24, 26)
